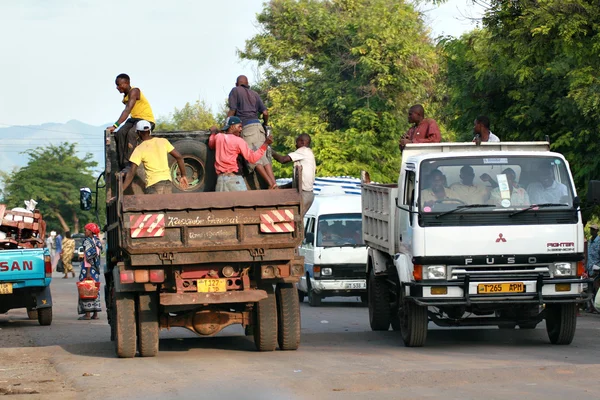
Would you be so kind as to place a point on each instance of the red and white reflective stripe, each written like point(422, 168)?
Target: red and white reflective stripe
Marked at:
point(277, 221)
point(147, 225)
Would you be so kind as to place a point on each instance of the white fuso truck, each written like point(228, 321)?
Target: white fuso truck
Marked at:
point(474, 236)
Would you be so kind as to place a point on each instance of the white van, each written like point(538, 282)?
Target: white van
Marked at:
point(335, 254)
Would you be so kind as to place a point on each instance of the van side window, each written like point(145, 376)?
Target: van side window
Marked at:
point(309, 229)
point(409, 189)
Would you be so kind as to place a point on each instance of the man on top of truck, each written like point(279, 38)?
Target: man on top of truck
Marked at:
point(481, 130)
point(424, 130)
point(228, 146)
point(138, 106)
point(152, 152)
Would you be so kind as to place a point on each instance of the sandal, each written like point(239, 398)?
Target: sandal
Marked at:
point(83, 318)
point(96, 317)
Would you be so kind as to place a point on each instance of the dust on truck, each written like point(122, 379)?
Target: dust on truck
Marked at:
point(502, 258)
point(201, 260)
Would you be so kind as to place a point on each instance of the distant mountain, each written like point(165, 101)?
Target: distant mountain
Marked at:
point(17, 139)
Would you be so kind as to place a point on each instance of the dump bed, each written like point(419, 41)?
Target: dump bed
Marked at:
point(379, 213)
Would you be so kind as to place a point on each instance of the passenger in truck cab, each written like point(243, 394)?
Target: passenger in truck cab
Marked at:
point(437, 192)
point(153, 154)
point(547, 190)
point(512, 192)
point(228, 145)
point(467, 191)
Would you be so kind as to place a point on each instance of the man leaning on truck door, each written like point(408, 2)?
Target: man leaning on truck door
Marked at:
point(424, 130)
point(153, 153)
point(138, 106)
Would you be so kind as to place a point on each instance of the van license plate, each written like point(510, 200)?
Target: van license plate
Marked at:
point(514, 287)
point(212, 285)
point(6, 288)
point(355, 285)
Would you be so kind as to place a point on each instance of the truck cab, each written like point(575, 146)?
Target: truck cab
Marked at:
point(334, 253)
point(475, 235)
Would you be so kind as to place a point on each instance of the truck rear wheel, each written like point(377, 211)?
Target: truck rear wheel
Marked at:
point(413, 324)
point(125, 330)
point(379, 303)
point(44, 316)
point(265, 321)
point(561, 321)
point(147, 324)
point(288, 316)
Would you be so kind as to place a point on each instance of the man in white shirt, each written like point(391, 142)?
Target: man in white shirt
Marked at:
point(304, 157)
point(547, 190)
point(482, 132)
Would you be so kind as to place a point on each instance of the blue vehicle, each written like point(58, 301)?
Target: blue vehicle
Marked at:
point(25, 266)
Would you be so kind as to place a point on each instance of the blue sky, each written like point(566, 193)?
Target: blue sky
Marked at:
point(60, 57)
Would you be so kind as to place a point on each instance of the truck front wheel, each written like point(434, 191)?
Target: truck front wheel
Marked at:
point(561, 321)
point(147, 324)
point(288, 316)
point(413, 324)
point(44, 316)
point(265, 321)
point(125, 329)
point(379, 303)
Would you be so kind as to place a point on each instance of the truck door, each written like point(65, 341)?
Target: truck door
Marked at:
point(407, 202)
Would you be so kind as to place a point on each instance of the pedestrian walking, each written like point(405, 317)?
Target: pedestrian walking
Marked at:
point(68, 249)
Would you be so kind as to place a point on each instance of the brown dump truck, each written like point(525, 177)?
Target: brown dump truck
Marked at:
point(200, 259)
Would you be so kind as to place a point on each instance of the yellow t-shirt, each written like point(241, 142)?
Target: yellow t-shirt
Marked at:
point(141, 109)
point(154, 154)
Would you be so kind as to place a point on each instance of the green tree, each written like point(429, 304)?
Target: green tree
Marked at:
point(53, 177)
point(346, 72)
point(191, 117)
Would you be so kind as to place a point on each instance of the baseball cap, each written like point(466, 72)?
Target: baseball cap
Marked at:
point(231, 121)
point(143, 126)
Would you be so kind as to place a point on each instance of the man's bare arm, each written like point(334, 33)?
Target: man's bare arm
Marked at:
point(130, 175)
point(280, 158)
point(134, 95)
point(183, 182)
point(265, 115)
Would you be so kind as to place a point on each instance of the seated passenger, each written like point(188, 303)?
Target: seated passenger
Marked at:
point(437, 191)
point(467, 191)
point(518, 195)
point(547, 190)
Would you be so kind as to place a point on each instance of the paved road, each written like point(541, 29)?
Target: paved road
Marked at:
point(339, 358)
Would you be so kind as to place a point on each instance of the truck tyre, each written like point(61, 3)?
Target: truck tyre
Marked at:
point(265, 321)
point(413, 324)
point(314, 298)
point(561, 321)
point(288, 316)
point(44, 316)
point(194, 155)
point(301, 296)
point(125, 329)
point(147, 324)
point(379, 303)
point(32, 314)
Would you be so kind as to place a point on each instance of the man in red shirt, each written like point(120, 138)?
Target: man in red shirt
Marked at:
point(228, 146)
point(424, 130)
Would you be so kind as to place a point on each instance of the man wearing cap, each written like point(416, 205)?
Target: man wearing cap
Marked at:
point(138, 106)
point(247, 105)
point(228, 145)
point(153, 153)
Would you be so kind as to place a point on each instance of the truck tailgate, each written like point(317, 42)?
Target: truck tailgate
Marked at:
point(22, 265)
point(379, 211)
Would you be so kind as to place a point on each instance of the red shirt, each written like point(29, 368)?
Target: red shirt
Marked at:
point(227, 147)
point(426, 132)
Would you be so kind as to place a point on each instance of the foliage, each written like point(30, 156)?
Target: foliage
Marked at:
point(533, 70)
point(53, 177)
point(345, 72)
point(191, 117)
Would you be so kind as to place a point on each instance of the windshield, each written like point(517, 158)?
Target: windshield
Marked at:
point(340, 230)
point(506, 183)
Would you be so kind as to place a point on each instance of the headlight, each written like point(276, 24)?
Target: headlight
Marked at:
point(434, 272)
point(325, 271)
point(563, 269)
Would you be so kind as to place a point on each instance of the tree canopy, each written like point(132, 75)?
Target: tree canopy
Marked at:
point(52, 177)
point(196, 116)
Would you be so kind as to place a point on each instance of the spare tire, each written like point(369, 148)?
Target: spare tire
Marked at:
point(197, 167)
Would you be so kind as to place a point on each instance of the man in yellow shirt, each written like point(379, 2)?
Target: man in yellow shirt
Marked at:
point(469, 192)
point(153, 153)
point(139, 108)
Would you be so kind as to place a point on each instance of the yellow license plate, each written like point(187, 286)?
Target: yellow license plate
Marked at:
point(514, 287)
point(6, 288)
point(212, 285)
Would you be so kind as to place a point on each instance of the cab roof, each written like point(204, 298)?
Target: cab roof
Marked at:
point(335, 204)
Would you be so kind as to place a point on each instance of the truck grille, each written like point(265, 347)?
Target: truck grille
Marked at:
point(481, 272)
point(345, 271)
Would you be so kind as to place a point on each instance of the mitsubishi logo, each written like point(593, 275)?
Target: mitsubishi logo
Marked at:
point(500, 238)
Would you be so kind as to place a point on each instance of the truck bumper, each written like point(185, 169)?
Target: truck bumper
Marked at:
point(538, 291)
point(337, 287)
point(237, 296)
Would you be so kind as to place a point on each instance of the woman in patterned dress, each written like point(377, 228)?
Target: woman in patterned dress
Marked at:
point(90, 269)
point(68, 249)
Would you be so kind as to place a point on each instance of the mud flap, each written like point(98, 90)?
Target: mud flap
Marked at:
point(43, 298)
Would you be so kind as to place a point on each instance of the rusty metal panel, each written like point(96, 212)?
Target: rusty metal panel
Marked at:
point(241, 296)
point(222, 255)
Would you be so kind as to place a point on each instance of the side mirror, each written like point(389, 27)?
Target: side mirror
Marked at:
point(85, 199)
point(593, 193)
point(309, 238)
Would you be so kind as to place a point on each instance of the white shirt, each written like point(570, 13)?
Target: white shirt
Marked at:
point(538, 194)
point(493, 138)
point(305, 157)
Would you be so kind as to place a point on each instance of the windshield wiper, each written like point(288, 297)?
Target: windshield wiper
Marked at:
point(464, 207)
point(531, 207)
